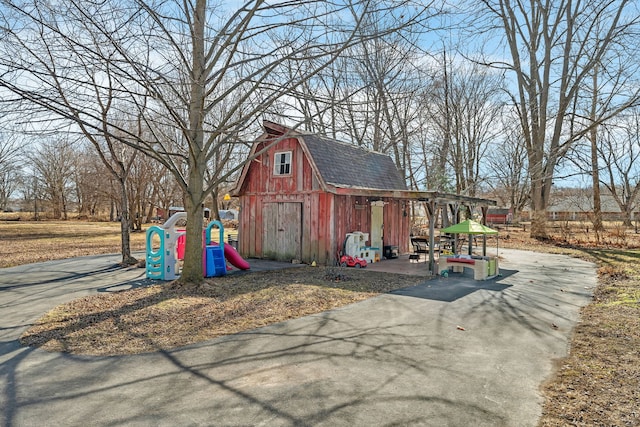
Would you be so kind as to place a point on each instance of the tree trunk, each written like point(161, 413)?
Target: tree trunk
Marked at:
point(598, 228)
point(65, 212)
point(125, 226)
point(150, 212)
point(539, 224)
point(539, 202)
point(192, 267)
point(192, 273)
point(216, 210)
point(55, 202)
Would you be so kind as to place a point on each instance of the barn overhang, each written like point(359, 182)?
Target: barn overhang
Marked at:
point(433, 200)
point(410, 195)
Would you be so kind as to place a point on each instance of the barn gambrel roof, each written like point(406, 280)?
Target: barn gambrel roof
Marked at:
point(345, 165)
point(337, 165)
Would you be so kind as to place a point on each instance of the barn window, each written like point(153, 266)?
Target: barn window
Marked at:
point(282, 163)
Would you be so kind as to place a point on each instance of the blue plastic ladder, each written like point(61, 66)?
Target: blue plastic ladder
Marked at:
point(155, 259)
point(215, 264)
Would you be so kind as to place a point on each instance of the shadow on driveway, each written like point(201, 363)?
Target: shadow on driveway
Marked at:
point(456, 286)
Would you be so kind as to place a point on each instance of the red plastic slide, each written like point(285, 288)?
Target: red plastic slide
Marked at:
point(234, 258)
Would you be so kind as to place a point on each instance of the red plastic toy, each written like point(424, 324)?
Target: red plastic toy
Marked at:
point(352, 261)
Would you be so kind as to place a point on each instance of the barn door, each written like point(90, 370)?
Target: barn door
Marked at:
point(281, 235)
point(377, 224)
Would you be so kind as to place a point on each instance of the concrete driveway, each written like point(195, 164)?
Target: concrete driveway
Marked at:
point(397, 359)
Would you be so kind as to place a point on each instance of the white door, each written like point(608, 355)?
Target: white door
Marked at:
point(377, 224)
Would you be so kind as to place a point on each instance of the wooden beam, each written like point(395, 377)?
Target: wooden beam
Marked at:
point(422, 196)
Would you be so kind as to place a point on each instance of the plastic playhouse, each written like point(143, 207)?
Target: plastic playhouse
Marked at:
point(163, 263)
point(355, 246)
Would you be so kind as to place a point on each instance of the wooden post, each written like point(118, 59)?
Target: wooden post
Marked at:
point(432, 212)
point(484, 210)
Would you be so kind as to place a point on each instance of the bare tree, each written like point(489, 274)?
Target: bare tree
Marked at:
point(167, 66)
point(31, 194)
point(166, 191)
point(465, 108)
point(140, 189)
point(321, 100)
point(620, 152)
point(598, 226)
point(92, 193)
point(441, 115)
point(553, 49)
point(419, 169)
point(11, 159)
point(370, 95)
point(54, 163)
point(509, 178)
point(374, 96)
point(389, 68)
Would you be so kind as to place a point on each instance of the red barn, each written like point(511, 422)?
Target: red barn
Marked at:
point(499, 216)
point(301, 194)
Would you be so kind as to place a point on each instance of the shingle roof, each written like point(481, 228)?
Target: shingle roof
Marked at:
point(345, 165)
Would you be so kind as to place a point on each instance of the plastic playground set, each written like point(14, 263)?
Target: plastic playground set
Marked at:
point(163, 263)
point(355, 253)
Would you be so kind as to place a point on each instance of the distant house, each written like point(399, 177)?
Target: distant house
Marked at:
point(303, 193)
point(581, 209)
point(577, 205)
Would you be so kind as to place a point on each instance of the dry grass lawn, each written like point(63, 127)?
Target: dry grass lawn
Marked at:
point(24, 242)
point(598, 384)
point(165, 317)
